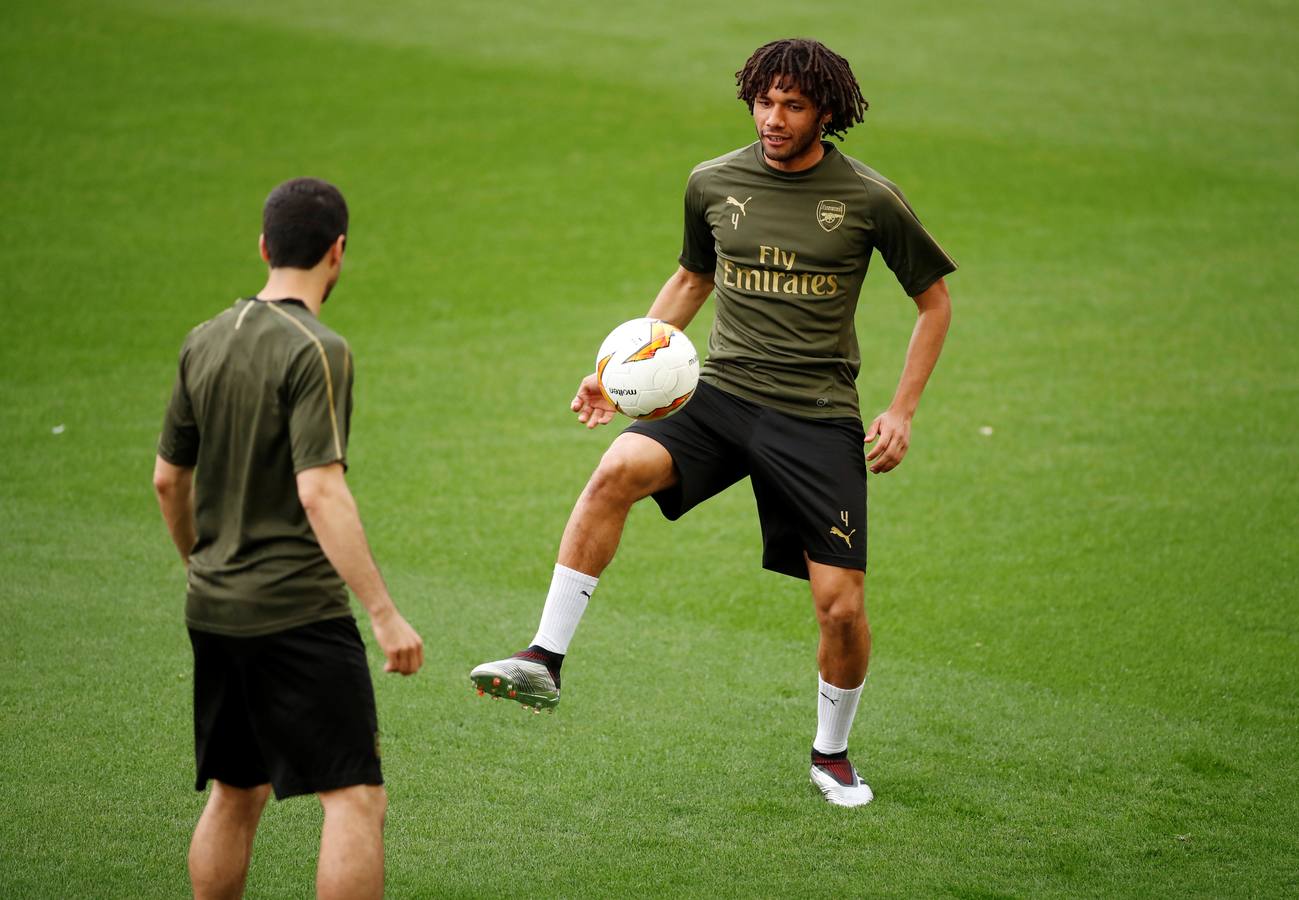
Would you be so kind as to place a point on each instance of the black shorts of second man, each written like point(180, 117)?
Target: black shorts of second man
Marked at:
point(808, 475)
point(294, 708)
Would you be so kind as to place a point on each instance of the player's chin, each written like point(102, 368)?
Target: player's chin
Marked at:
point(780, 150)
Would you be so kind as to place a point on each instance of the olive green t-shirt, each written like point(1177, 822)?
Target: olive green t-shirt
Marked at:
point(789, 252)
point(264, 391)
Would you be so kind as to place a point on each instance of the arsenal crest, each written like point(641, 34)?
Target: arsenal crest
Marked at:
point(829, 213)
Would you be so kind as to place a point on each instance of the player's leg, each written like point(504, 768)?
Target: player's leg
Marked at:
point(809, 480)
point(229, 762)
point(839, 597)
point(311, 701)
point(842, 659)
point(351, 842)
point(680, 461)
point(633, 468)
point(222, 846)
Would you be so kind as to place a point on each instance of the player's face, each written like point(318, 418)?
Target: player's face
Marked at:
point(789, 127)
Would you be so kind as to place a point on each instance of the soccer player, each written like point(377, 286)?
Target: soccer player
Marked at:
point(249, 477)
point(781, 232)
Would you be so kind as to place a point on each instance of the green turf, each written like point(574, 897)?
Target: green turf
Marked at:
point(1084, 680)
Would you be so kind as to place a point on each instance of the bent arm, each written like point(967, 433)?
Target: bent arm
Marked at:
point(893, 426)
point(933, 316)
point(174, 486)
point(681, 297)
point(334, 518)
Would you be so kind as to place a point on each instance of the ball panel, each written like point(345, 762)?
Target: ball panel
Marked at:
point(668, 409)
point(599, 376)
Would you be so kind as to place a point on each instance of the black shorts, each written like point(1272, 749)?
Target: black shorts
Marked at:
point(808, 475)
point(295, 708)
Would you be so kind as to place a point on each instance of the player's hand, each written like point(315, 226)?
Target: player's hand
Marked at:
point(590, 404)
point(893, 430)
point(403, 648)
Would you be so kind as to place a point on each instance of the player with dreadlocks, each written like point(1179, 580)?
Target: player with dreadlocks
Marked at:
point(780, 232)
point(822, 75)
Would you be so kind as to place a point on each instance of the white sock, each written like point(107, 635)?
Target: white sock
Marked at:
point(569, 592)
point(835, 708)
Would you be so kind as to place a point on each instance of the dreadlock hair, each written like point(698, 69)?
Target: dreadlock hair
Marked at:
point(822, 75)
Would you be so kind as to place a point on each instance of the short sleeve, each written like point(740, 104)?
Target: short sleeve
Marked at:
point(910, 252)
point(698, 250)
point(319, 396)
point(178, 443)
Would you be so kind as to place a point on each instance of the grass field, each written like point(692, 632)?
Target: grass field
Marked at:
point(1084, 680)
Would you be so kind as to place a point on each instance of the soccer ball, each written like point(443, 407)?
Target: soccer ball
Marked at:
point(647, 368)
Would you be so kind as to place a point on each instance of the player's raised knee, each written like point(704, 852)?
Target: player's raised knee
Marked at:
point(633, 467)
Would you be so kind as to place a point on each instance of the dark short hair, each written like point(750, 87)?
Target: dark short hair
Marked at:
point(822, 75)
point(301, 220)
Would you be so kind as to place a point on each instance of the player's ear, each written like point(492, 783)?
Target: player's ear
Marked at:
point(261, 248)
point(337, 249)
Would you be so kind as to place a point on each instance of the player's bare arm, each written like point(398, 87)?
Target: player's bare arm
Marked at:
point(681, 297)
point(677, 302)
point(892, 427)
point(174, 486)
point(334, 518)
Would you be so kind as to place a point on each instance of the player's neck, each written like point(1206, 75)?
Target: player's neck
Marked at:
point(805, 160)
point(307, 285)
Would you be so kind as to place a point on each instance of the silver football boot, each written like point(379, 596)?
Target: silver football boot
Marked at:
point(522, 677)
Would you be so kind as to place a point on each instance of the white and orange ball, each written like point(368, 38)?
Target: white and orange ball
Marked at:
point(647, 368)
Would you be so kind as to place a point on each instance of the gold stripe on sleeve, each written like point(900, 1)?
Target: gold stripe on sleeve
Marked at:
point(329, 378)
point(704, 167)
point(894, 195)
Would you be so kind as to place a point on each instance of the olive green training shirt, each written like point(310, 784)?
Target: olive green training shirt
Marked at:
point(789, 252)
point(264, 391)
